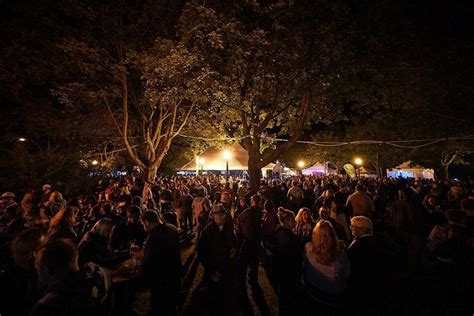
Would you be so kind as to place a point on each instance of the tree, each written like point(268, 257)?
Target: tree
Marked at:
point(272, 72)
point(149, 84)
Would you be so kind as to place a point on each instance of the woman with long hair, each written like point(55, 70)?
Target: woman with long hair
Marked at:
point(304, 225)
point(56, 202)
point(325, 265)
point(125, 198)
point(62, 224)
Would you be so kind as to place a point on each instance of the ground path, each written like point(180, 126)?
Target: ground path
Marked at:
point(262, 302)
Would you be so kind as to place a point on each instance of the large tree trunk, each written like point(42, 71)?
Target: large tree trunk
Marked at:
point(254, 172)
point(149, 173)
point(445, 171)
point(446, 160)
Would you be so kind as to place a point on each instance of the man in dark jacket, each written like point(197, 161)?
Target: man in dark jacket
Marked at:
point(250, 222)
point(161, 268)
point(366, 263)
point(128, 231)
point(185, 204)
point(217, 250)
point(287, 263)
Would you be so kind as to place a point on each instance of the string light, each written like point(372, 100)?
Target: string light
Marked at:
point(394, 143)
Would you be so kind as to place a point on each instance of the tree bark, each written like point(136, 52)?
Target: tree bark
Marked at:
point(254, 171)
point(445, 171)
point(446, 161)
point(149, 173)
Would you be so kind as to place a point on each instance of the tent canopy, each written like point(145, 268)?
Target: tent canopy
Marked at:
point(213, 159)
point(410, 170)
point(317, 168)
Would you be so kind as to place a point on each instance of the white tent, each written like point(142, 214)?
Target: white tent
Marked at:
point(366, 173)
point(213, 159)
point(316, 169)
point(409, 170)
point(319, 169)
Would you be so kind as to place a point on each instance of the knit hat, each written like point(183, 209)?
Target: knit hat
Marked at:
point(8, 195)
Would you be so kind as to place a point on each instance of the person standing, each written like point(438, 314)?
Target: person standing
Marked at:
point(287, 263)
point(69, 291)
point(359, 203)
point(19, 283)
point(217, 251)
point(251, 231)
point(295, 197)
point(325, 268)
point(186, 206)
point(161, 268)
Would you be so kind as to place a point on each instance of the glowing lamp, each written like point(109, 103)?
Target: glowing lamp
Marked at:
point(227, 155)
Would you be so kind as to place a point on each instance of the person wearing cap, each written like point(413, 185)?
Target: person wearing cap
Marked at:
point(7, 200)
point(8, 196)
point(217, 250)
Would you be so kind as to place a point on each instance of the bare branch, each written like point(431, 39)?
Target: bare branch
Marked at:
point(109, 108)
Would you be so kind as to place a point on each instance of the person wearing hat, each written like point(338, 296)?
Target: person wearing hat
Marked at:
point(217, 249)
point(8, 195)
point(7, 200)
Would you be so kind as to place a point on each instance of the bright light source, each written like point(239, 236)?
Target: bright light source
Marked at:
point(21, 139)
point(95, 162)
point(227, 155)
point(301, 164)
point(202, 161)
point(358, 161)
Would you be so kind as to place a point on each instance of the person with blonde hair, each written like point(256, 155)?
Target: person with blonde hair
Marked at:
point(56, 202)
point(304, 225)
point(325, 265)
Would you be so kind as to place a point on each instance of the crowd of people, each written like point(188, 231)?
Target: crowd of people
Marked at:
point(328, 245)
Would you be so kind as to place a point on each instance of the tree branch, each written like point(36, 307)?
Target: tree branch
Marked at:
point(297, 133)
point(109, 108)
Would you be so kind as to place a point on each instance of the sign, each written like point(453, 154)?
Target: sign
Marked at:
point(350, 170)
